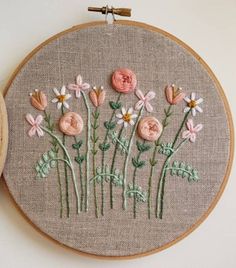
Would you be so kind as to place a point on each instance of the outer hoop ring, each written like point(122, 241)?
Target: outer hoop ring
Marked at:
point(220, 91)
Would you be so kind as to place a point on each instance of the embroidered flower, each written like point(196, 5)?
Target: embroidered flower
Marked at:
point(144, 100)
point(78, 86)
point(35, 125)
point(126, 117)
point(192, 131)
point(97, 96)
point(174, 95)
point(61, 98)
point(192, 104)
point(71, 124)
point(124, 80)
point(149, 128)
point(38, 100)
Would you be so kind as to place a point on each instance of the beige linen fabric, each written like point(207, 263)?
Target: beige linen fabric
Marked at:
point(95, 53)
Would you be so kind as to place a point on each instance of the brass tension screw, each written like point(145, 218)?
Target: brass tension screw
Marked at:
point(125, 12)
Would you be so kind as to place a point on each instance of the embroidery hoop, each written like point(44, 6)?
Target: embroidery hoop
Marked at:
point(3, 133)
point(220, 91)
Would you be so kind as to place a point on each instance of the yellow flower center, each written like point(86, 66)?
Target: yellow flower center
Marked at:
point(61, 98)
point(192, 104)
point(127, 117)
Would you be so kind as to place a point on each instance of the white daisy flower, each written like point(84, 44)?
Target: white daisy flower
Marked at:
point(61, 98)
point(192, 104)
point(126, 117)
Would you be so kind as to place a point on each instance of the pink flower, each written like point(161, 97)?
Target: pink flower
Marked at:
point(35, 123)
point(71, 124)
point(38, 100)
point(192, 131)
point(124, 80)
point(174, 95)
point(97, 96)
point(78, 86)
point(149, 128)
point(144, 100)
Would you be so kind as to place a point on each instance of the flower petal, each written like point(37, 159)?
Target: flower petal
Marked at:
point(59, 104)
point(193, 96)
point(79, 80)
point(55, 90)
point(66, 105)
point(134, 116)
point(73, 87)
point(39, 119)
point(187, 99)
point(63, 90)
point(186, 134)
point(121, 121)
point(131, 122)
point(39, 131)
point(29, 118)
point(54, 100)
point(119, 115)
point(32, 131)
point(193, 137)
point(139, 94)
point(139, 105)
point(186, 109)
point(200, 100)
point(123, 110)
point(150, 95)
point(193, 111)
point(125, 124)
point(85, 86)
point(199, 109)
point(198, 127)
point(77, 94)
point(67, 96)
point(149, 107)
point(190, 125)
point(130, 110)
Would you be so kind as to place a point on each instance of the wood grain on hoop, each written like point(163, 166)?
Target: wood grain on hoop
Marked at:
point(220, 91)
point(3, 133)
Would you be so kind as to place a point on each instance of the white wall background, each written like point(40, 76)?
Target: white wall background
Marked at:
point(209, 27)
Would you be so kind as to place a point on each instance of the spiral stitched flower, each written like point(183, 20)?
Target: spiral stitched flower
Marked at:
point(192, 131)
point(124, 80)
point(61, 98)
point(78, 86)
point(38, 100)
point(174, 95)
point(149, 128)
point(71, 124)
point(192, 104)
point(35, 125)
point(126, 117)
point(97, 96)
point(144, 100)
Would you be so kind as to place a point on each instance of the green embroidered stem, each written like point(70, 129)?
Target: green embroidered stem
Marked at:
point(134, 178)
point(50, 126)
point(94, 140)
point(70, 165)
point(127, 158)
point(180, 128)
point(153, 161)
point(161, 183)
point(66, 174)
point(88, 150)
point(112, 167)
point(79, 159)
point(105, 146)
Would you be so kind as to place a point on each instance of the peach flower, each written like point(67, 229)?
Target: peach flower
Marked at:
point(71, 124)
point(124, 80)
point(174, 95)
point(97, 96)
point(38, 100)
point(149, 128)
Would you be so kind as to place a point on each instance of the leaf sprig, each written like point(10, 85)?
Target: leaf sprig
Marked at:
point(45, 163)
point(183, 170)
point(137, 193)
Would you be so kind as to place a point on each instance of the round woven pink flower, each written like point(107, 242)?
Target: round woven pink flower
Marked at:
point(71, 124)
point(124, 80)
point(149, 128)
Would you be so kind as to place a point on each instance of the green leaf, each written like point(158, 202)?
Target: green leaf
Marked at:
point(77, 145)
point(104, 146)
point(142, 147)
point(152, 162)
point(79, 159)
point(109, 125)
point(45, 163)
point(137, 193)
point(183, 170)
point(166, 149)
point(137, 163)
point(115, 105)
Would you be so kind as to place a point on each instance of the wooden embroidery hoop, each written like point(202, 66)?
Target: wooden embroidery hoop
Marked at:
point(3, 133)
point(220, 91)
